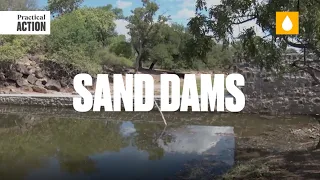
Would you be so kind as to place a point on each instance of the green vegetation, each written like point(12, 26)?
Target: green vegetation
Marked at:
point(86, 37)
point(266, 50)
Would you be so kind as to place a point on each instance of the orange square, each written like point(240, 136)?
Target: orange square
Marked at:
point(287, 23)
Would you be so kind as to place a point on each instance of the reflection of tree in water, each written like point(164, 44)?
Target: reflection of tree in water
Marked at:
point(146, 139)
point(74, 139)
point(204, 169)
point(84, 165)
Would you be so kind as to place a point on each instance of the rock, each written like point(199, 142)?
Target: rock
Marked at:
point(39, 74)
point(27, 88)
point(25, 61)
point(13, 75)
point(33, 63)
point(41, 82)
point(53, 85)
point(2, 77)
point(22, 69)
point(31, 69)
point(64, 83)
point(39, 89)
point(34, 59)
point(32, 79)
point(69, 90)
point(22, 82)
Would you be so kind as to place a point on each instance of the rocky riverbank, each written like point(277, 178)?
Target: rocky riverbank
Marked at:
point(31, 75)
point(293, 93)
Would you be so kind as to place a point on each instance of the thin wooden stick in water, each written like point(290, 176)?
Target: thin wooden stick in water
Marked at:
point(164, 120)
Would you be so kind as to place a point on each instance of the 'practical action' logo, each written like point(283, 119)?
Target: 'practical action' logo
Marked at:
point(287, 23)
point(24, 22)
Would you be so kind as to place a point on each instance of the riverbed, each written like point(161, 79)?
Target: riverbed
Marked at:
point(56, 143)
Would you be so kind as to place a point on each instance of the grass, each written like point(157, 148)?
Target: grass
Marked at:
point(256, 169)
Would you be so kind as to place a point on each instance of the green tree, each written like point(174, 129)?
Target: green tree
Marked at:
point(264, 51)
point(121, 47)
point(166, 46)
point(143, 28)
point(18, 5)
point(117, 11)
point(77, 36)
point(81, 26)
point(63, 6)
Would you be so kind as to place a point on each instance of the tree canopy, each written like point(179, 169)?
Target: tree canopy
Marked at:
point(63, 6)
point(18, 5)
point(264, 50)
point(87, 37)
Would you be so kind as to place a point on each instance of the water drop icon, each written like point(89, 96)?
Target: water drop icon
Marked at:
point(287, 24)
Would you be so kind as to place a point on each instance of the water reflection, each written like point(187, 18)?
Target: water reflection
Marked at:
point(53, 148)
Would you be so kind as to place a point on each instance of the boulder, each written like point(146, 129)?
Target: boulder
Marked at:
point(25, 61)
point(64, 82)
point(22, 82)
point(27, 88)
point(31, 69)
point(22, 69)
point(12, 90)
point(34, 58)
point(41, 82)
point(6, 84)
point(39, 89)
point(2, 77)
point(39, 74)
point(32, 79)
point(53, 85)
point(14, 76)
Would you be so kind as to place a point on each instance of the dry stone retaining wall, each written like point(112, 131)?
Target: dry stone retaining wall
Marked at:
point(293, 93)
point(290, 93)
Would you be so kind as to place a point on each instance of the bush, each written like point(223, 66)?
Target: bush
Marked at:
point(78, 37)
point(13, 48)
point(79, 57)
point(111, 60)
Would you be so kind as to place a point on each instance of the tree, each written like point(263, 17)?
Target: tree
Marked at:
point(63, 6)
point(76, 37)
point(264, 51)
point(121, 47)
point(168, 47)
point(143, 28)
point(18, 5)
point(117, 11)
point(14, 47)
point(84, 25)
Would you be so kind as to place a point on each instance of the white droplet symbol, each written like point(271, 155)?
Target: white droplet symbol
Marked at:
point(287, 24)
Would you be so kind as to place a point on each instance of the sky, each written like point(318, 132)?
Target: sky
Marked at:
point(179, 10)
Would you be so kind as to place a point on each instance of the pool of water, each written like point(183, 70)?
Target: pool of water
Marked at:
point(39, 143)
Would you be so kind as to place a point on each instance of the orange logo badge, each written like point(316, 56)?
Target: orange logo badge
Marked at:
point(287, 23)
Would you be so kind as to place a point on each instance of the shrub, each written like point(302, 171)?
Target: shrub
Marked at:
point(13, 48)
point(111, 60)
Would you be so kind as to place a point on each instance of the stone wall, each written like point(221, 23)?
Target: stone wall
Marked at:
point(33, 75)
point(290, 93)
